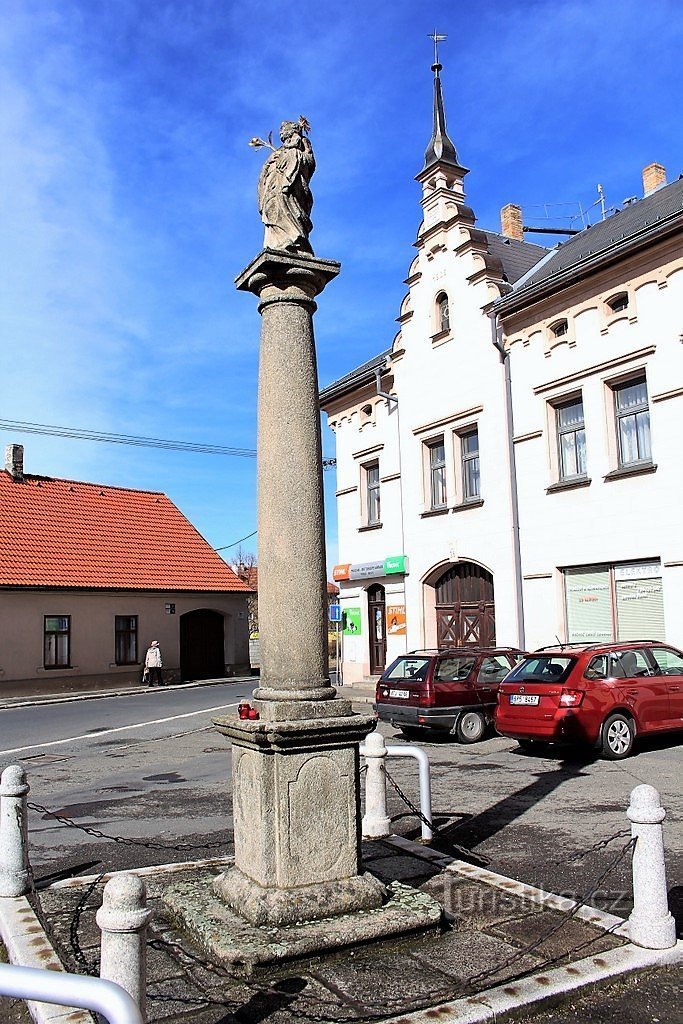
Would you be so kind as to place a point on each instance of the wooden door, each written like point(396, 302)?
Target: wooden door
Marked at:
point(465, 610)
point(377, 627)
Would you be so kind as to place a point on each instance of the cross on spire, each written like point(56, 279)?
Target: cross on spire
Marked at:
point(437, 38)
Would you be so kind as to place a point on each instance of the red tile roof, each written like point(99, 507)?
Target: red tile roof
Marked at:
point(249, 573)
point(62, 533)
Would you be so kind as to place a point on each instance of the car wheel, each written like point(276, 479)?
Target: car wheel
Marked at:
point(617, 737)
point(470, 727)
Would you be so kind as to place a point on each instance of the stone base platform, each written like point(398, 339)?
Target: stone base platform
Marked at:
point(244, 949)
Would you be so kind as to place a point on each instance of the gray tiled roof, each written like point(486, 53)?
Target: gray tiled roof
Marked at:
point(517, 257)
point(592, 245)
point(361, 375)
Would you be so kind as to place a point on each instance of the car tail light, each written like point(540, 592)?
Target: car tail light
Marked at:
point(571, 698)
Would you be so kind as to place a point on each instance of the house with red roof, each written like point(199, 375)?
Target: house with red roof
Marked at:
point(91, 574)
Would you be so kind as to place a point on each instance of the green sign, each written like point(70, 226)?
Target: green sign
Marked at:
point(395, 563)
point(351, 621)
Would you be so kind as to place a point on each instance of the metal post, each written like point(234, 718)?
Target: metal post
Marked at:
point(123, 919)
point(64, 989)
point(15, 872)
point(376, 822)
point(408, 750)
point(650, 924)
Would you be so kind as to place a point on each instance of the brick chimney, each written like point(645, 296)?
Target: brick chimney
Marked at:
point(654, 176)
point(14, 461)
point(511, 222)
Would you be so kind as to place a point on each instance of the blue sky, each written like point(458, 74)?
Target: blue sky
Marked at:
point(128, 193)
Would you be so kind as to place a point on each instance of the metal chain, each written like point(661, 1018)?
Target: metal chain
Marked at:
point(477, 858)
point(597, 846)
point(148, 844)
point(89, 968)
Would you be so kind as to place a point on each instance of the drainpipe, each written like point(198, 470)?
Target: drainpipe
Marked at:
point(393, 398)
point(514, 501)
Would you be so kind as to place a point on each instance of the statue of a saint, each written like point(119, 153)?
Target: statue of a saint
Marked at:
point(284, 196)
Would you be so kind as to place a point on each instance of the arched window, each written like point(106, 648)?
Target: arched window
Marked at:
point(559, 328)
point(618, 302)
point(443, 319)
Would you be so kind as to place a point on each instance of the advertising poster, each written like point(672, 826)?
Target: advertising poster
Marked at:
point(351, 621)
point(396, 620)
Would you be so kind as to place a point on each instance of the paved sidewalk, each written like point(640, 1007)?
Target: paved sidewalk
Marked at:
point(111, 690)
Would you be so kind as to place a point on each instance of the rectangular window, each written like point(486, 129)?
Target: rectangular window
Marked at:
point(614, 602)
point(126, 639)
point(437, 474)
point(633, 423)
point(56, 641)
point(372, 502)
point(469, 449)
point(571, 439)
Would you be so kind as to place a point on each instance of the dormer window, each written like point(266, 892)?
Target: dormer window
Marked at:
point(443, 318)
point(618, 303)
point(559, 328)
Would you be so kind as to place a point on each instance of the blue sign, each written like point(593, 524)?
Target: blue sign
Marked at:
point(335, 613)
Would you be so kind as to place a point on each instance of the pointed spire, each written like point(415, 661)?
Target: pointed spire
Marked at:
point(440, 148)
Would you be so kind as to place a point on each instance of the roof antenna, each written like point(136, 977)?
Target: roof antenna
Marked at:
point(559, 641)
point(601, 193)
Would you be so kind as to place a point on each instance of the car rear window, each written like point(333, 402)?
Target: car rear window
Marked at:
point(451, 669)
point(542, 668)
point(408, 668)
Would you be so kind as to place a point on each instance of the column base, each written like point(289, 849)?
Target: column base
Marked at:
point(245, 950)
point(260, 905)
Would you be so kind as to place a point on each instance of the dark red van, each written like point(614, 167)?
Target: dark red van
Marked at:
point(453, 690)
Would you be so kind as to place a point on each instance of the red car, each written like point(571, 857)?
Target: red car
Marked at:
point(452, 690)
point(600, 694)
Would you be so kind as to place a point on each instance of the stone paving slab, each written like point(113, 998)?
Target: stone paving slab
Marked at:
point(490, 926)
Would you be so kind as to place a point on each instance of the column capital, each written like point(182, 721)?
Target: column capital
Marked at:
point(290, 276)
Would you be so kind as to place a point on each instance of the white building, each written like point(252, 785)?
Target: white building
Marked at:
point(508, 471)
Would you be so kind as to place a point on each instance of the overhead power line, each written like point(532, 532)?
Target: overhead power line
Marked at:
point(83, 434)
point(236, 542)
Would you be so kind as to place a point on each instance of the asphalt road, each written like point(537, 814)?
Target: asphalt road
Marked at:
point(151, 768)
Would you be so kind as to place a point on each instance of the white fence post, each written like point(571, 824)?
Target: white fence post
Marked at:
point(123, 919)
point(15, 872)
point(650, 924)
point(376, 822)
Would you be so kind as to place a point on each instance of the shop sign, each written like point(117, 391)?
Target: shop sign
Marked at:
point(351, 621)
point(367, 570)
point(396, 620)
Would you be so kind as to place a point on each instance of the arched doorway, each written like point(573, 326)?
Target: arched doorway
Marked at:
point(202, 645)
point(465, 611)
point(377, 628)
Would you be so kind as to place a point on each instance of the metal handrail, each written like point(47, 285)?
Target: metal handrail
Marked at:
point(105, 997)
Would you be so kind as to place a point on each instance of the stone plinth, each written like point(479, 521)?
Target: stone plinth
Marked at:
point(296, 819)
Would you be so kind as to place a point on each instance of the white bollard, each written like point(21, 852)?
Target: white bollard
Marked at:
point(376, 822)
point(15, 872)
point(650, 924)
point(123, 919)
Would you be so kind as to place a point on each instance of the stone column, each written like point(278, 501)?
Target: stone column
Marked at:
point(295, 772)
point(15, 871)
point(123, 919)
point(291, 528)
point(651, 924)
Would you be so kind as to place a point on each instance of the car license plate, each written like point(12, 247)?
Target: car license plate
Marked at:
point(524, 698)
point(399, 693)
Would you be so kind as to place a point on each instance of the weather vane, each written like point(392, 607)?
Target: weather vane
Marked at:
point(437, 39)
